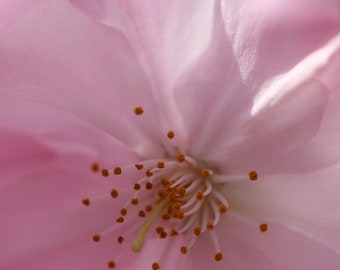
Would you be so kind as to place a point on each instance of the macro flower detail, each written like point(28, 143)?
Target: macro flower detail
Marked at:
point(197, 134)
point(177, 194)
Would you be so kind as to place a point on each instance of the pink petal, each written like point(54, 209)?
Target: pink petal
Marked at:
point(167, 40)
point(304, 203)
point(10, 10)
point(42, 210)
point(77, 67)
point(279, 125)
point(270, 37)
point(20, 152)
point(244, 247)
point(43, 180)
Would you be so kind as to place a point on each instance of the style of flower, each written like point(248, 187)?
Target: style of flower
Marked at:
point(176, 135)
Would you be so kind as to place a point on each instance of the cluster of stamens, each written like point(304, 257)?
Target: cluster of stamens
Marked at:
point(173, 191)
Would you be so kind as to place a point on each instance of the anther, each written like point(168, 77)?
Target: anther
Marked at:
point(160, 165)
point(148, 208)
point(180, 215)
point(223, 208)
point(137, 186)
point(120, 220)
point(166, 216)
point(206, 172)
point(114, 193)
point(139, 110)
point(95, 167)
point(253, 176)
point(218, 256)
point(139, 167)
point(155, 266)
point(199, 195)
point(96, 238)
point(163, 235)
point(210, 225)
point(141, 213)
point(105, 172)
point(173, 232)
point(161, 193)
point(117, 170)
point(148, 185)
point(184, 250)
point(180, 157)
point(263, 227)
point(159, 230)
point(123, 212)
point(181, 191)
point(86, 201)
point(134, 201)
point(171, 134)
point(111, 264)
point(120, 239)
point(197, 230)
point(148, 173)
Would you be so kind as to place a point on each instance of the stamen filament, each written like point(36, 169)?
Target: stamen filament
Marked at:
point(139, 241)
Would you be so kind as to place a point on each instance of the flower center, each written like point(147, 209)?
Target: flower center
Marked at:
point(169, 197)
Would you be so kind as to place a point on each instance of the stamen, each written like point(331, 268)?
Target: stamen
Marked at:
point(155, 266)
point(139, 241)
point(160, 165)
point(159, 230)
point(163, 235)
point(148, 208)
point(218, 256)
point(120, 220)
point(117, 170)
point(137, 186)
point(134, 201)
point(223, 208)
point(141, 213)
point(197, 230)
point(199, 195)
point(139, 167)
point(139, 110)
point(148, 173)
point(148, 185)
point(206, 173)
point(111, 264)
point(171, 134)
point(105, 172)
point(123, 212)
point(263, 227)
point(96, 238)
point(180, 158)
point(184, 250)
point(253, 176)
point(120, 239)
point(188, 196)
point(114, 193)
point(95, 167)
point(210, 225)
point(86, 202)
point(173, 232)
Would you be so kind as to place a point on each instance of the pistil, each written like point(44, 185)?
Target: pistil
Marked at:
point(139, 241)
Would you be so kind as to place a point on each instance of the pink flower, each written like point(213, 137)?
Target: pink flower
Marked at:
point(221, 118)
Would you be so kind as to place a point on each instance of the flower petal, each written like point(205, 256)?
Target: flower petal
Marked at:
point(304, 203)
point(168, 36)
point(244, 246)
point(270, 37)
point(12, 9)
point(287, 113)
point(81, 67)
